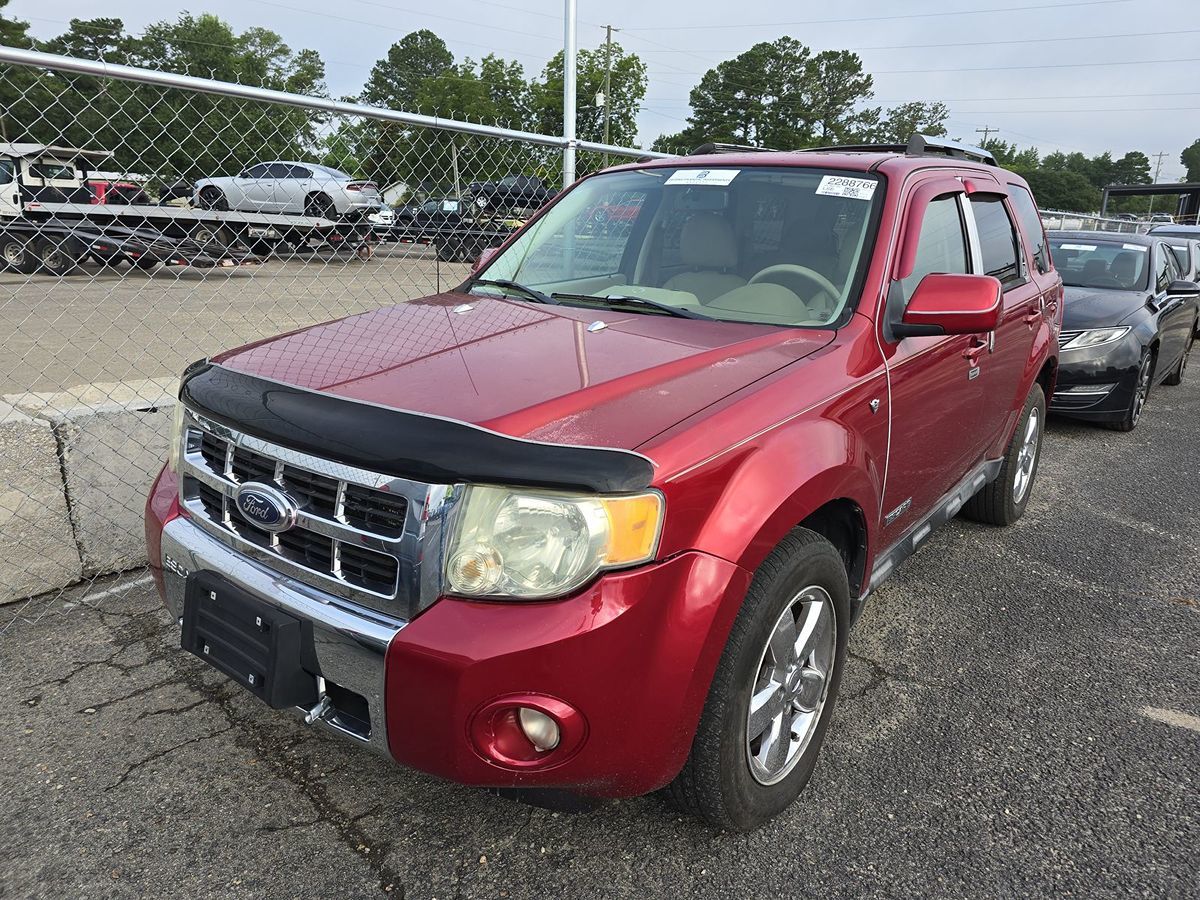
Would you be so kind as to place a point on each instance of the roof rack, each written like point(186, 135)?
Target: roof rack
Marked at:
point(919, 145)
point(714, 147)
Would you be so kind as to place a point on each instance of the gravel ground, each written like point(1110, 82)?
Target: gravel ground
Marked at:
point(123, 324)
point(1020, 717)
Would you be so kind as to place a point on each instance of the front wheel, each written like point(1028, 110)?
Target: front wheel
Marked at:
point(213, 198)
point(1003, 501)
point(1137, 401)
point(771, 698)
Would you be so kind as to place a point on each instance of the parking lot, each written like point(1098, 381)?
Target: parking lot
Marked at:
point(105, 325)
point(1020, 717)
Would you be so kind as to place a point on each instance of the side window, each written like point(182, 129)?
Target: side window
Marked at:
point(942, 246)
point(997, 240)
point(299, 172)
point(259, 171)
point(6, 171)
point(279, 170)
point(1031, 224)
point(1168, 269)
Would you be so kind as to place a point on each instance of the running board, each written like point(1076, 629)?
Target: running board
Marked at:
point(945, 510)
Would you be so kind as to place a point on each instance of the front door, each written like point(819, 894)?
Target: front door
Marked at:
point(10, 198)
point(938, 396)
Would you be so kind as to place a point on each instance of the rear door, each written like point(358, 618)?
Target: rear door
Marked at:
point(940, 422)
point(1026, 308)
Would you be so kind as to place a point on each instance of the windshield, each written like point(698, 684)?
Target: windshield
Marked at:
point(1089, 263)
point(761, 244)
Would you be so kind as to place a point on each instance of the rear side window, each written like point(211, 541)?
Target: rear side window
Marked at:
point(942, 247)
point(6, 171)
point(1031, 224)
point(997, 240)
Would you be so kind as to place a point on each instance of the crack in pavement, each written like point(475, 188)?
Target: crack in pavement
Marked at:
point(159, 754)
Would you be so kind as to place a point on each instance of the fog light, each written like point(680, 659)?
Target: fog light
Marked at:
point(541, 730)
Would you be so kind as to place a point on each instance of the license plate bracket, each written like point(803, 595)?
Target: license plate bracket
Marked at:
point(262, 648)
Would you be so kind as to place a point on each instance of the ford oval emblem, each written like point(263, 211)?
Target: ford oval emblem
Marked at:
point(266, 507)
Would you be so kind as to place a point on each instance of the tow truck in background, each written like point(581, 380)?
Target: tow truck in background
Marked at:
point(53, 217)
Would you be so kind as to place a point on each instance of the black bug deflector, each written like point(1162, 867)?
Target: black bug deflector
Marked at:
point(400, 443)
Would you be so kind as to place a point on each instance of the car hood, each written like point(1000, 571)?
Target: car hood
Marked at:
point(563, 374)
point(1096, 307)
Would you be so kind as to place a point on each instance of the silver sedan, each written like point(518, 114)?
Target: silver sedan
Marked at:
point(289, 187)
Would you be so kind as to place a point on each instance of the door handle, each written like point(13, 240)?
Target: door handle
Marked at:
point(1032, 318)
point(978, 347)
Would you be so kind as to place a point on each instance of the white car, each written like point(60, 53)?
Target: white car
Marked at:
point(289, 187)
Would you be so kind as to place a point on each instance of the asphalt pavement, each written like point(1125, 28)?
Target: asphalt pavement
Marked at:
point(1020, 718)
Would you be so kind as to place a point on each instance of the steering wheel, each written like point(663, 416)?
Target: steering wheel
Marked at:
point(785, 272)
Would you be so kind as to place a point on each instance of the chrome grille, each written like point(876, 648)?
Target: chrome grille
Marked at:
point(1065, 337)
point(357, 534)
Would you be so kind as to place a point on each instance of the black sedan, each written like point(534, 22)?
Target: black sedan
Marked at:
point(1129, 323)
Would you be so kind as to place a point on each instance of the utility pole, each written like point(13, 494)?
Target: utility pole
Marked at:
point(569, 53)
point(608, 30)
point(1157, 169)
point(985, 131)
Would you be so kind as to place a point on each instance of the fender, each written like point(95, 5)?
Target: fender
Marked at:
point(753, 497)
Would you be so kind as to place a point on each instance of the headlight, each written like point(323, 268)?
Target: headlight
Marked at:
point(175, 454)
point(534, 545)
point(1095, 338)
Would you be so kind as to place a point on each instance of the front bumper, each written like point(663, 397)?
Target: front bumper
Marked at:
point(634, 654)
point(1097, 383)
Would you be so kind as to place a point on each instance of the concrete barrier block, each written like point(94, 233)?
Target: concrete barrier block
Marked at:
point(38, 552)
point(114, 439)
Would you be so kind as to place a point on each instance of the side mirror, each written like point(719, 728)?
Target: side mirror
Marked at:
point(485, 257)
point(1183, 288)
point(951, 304)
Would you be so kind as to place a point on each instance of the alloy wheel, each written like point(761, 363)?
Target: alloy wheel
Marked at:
point(1027, 456)
point(791, 684)
point(1143, 388)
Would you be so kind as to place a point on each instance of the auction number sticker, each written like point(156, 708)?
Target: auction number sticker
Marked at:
point(1138, 247)
point(852, 188)
point(703, 176)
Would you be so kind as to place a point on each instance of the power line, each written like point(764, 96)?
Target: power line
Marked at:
point(1041, 7)
point(985, 131)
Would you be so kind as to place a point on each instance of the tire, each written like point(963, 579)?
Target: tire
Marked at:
point(721, 782)
point(145, 263)
point(17, 253)
point(1003, 500)
point(318, 206)
point(1141, 393)
point(54, 258)
point(1176, 376)
point(448, 251)
point(212, 198)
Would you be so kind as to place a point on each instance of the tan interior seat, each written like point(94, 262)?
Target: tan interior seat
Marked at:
point(708, 247)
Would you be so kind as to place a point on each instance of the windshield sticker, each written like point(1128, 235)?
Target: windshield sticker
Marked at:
point(1138, 247)
point(852, 188)
point(703, 176)
point(1087, 247)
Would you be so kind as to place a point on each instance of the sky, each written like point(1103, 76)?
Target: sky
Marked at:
point(1086, 75)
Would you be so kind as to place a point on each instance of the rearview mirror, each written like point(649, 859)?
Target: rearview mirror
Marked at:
point(951, 304)
point(1182, 286)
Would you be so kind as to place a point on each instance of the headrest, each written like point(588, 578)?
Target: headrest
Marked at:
point(1124, 266)
point(1095, 268)
point(707, 241)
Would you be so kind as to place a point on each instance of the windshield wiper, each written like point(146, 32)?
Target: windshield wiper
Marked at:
point(616, 299)
point(530, 293)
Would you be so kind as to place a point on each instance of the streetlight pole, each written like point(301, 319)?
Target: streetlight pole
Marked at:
point(608, 30)
point(569, 52)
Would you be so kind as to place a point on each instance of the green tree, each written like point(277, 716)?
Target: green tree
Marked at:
point(1190, 158)
point(627, 89)
point(901, 122)
point(1063, 189)
point(780, 94)
point(17, 105)
point(1132, 168)
point(395, 81)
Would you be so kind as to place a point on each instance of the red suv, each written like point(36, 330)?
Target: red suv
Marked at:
point(600, 519)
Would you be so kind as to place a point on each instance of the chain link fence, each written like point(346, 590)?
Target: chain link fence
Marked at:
point(148, 219)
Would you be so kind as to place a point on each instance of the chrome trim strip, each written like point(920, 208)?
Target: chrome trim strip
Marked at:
point(350, 643)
